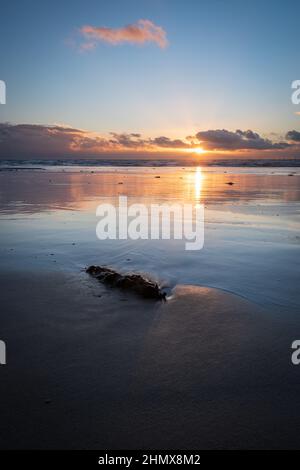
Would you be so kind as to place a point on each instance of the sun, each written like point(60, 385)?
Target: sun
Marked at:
point(198, 150)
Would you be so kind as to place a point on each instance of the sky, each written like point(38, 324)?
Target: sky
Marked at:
point(159, 77)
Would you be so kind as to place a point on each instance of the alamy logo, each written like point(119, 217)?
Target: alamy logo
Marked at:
point(2, 92)
point(2, 352)
point(164, 221)
point(296, 354)
point(296, 94)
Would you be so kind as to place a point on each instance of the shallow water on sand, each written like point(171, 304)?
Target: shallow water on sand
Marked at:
point(252, 236)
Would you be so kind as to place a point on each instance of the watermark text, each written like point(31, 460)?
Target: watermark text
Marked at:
point(296, 94)
point(155, 221)
point(2, 352)
point(2, 92)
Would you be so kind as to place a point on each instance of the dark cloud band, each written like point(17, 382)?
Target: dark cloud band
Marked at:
point(222, 139)
point(32, 140)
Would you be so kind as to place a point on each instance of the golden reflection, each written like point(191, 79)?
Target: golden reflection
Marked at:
point(198, 182)
point(85, 189)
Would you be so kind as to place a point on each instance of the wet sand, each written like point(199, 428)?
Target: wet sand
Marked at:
point(48, 221)
point(204, 370)
point(90, 367)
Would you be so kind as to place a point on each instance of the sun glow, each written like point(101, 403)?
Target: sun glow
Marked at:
point(198, 150)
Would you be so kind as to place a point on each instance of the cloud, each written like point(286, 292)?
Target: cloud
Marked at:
point(136, 141)
point(128, 141)
point(37, 141)
point(165, 142)
point(222, 139)
point(294, 136)
point(87, 46)
point(142, 32)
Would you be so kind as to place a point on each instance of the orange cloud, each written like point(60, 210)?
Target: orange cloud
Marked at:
point(139, 33)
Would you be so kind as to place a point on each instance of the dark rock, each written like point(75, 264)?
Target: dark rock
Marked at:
point(230, 183)
point(131, 282)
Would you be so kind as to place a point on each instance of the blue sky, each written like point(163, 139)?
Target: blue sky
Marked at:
point(228, 65)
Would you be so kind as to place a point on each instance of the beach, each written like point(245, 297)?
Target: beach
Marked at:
point(93, 367)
